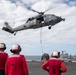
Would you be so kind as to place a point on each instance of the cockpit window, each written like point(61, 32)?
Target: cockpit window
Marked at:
point(40, 19)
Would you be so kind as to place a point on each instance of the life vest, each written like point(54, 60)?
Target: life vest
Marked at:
point(54, 66)
point(16, 65)
point(3, 58)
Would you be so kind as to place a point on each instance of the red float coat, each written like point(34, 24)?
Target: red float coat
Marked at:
point(54, 66)
point(3, 58)
point(16, 65)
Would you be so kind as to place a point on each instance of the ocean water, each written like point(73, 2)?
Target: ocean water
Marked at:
point(30, 58)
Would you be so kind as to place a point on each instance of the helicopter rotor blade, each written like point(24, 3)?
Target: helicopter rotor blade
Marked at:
point(35, 11)
point(41, 13)
point(38, 12)
point(47, 9)
point(51, 7)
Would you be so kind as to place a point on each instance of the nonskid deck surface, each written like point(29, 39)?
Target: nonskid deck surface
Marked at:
point(35, 68)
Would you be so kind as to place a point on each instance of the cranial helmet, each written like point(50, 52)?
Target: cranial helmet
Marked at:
point(2, 46)
point(56, 53)
point(16, 48)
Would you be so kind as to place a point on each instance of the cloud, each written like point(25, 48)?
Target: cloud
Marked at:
point(14, 11)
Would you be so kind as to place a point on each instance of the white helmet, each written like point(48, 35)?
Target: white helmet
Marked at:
point(2, 46)
point(55, 53)
point(16, 47)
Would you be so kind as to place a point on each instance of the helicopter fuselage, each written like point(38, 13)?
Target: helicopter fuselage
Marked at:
point(35, 22)
point(38, 22)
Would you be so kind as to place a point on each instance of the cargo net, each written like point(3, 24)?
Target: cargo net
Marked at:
point(44, 57)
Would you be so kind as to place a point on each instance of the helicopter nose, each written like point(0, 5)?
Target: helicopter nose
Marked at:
point(63, 19)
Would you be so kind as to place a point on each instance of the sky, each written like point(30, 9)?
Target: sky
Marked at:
point(61, 37)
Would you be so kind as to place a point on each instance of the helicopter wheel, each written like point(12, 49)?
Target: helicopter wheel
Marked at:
point(49, 27)
point(15, 33)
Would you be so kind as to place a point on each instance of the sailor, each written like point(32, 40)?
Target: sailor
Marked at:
point(54, 66)
point(16, 63)
point(3, 58)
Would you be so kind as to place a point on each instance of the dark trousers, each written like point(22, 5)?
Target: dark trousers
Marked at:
point(2, 72)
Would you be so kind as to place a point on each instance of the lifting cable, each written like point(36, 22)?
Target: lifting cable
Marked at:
point(41, 40)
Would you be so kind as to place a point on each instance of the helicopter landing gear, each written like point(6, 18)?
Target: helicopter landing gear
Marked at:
point(49, 27)
point(15, 33)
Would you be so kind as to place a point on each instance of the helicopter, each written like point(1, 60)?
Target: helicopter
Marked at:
point(41, 20)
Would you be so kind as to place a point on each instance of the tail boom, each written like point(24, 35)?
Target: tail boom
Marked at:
point(7, 28)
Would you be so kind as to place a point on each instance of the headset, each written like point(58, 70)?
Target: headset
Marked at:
point(19, 47)
point(58, 54)
point(2, 46)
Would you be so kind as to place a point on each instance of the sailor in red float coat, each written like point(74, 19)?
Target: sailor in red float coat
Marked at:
point(16, 64)
point(3, 58)
point(54, 66)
